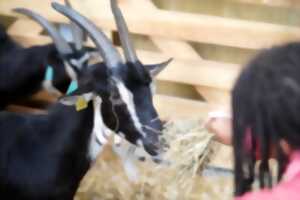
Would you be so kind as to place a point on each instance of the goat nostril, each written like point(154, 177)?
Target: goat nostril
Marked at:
point(142, 159)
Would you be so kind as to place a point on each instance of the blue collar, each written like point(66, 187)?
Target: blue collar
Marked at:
point(72, 87)
point(49, 73)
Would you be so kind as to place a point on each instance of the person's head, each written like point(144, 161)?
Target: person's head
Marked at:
point(266, 114)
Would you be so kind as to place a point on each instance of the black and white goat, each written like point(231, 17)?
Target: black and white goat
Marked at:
point(127, 106)
point(46, 156)
point(23, 71)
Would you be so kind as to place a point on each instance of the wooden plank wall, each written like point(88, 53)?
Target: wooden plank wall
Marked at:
point(284, 3)
point(173, 34)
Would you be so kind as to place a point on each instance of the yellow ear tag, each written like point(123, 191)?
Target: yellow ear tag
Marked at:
point(81, 104)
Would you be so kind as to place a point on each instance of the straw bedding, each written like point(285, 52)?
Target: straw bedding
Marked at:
point(190, 147)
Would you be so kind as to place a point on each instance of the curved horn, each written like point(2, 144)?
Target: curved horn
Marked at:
point(77, 33)
point(155, 69)
point(123, 32)
point(62, 46)
point(110, 55)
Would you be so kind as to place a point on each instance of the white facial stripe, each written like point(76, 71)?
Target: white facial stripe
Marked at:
point(48, 86)
point(127, 98)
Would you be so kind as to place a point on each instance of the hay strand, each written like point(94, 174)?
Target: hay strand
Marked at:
point(190, 147)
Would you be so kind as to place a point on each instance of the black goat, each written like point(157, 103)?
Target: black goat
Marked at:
point(127, 105)
point(44, 157)
point(23, 71)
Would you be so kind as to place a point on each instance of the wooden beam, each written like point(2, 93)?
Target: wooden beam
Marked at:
point(179, 108)
point(28, 41)
point(273, 3)
point(214, 95)
point(193, 72)
point(180, 49)
point(25, 27)
point(173, 25)
point(170, 47)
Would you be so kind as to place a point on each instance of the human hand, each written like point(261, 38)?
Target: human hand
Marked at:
point(219, 123)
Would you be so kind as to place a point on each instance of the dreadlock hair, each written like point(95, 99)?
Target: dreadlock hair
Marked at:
point(266, 110)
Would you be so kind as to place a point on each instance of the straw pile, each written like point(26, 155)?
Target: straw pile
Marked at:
point(190, 147)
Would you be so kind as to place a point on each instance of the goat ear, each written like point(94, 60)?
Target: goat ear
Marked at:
point(69, 100)
point(157, 68)
point(80, 101)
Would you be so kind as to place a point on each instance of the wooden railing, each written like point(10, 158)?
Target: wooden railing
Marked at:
point(171, 32)
point(280, 3)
